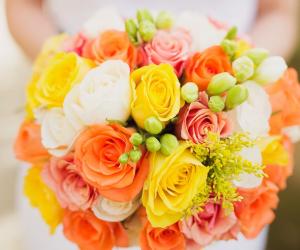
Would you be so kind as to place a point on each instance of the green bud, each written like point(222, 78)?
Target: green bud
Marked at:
point(153, 125)
point(189, 92)
point(229, 46)
point(168, 143)
point(131, 27)
point(144, 15)
point(135, 155)
point(152, 144)
point(136, 139)
point(216, 104)
point(164, 20)
point(243, 68)
point(232, 33)
point(236, 96)
point(257, 55)
point(123, 159)
point(147, 30)
point(220, 83)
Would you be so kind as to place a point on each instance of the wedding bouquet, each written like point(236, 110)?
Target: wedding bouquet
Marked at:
point(159, 133)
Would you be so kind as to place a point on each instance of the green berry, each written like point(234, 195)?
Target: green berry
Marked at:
point(243, 68)
point(220, 83)
point(136, 139)
point(152, 144)
point(135, 155)
point(144, 15)
point(147, 30)
point(168, 143)
point(164, 20)
point(123, 159)
point(216, 104)
point(153, 125)
point(236, 96)
point(189, 92)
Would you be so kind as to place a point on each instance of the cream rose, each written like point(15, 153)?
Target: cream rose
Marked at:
point(114, 211)
point(57, 132)
point(253, 115)
point(253, 155)
point(104, 19)
point(204, 33)
point(104, 94)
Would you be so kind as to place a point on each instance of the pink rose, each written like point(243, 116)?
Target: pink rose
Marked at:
point(196, 120)
point(209, 225)
point(171, 47)
point(75, 44)
point(72, 191)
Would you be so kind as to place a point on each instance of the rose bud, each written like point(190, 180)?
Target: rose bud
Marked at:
point(220, 83)
point(232, 33)
point(236, 96)
point(169, 143)
point(136, 139)
point(216, 104)
point(270, 70)
point(147, 30)
point(132, 30)
point(153, 125)
point(144, 15)
point(243, 68)
point(257, 55)
point(135, 155)
point(153, 144)
point(164, 20)
point(189, 92)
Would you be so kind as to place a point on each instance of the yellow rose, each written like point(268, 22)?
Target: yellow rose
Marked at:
point(156, 92)
point(274, 153)
point(41, 197)
point(172, 184)
point(51, 47)
point(62, 72)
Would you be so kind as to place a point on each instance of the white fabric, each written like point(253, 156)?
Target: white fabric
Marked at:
point(70, 14)
point(35, 233)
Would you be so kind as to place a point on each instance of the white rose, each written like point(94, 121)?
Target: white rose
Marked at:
point(113, 211)
point(270, 70)
point(293, 132)
point(104, 94)
point(104, 19)
point(253, 115)
point(58, 135)
point(250, 180)
point(203, 32)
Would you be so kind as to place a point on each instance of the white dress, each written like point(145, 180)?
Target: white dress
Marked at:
point(69, 16)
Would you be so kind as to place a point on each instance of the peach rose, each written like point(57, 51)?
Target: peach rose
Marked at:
point(109, 45)
point(196, 120)
point(161, 238)
point(28, 146)
point(97, 151)
point(72, 191)
point(208, 225)
point(91, 233)
point(278, 174)
point(285, 99)
point(255, 211)
point(75, 43)
point(171, 47)
point(201, 67)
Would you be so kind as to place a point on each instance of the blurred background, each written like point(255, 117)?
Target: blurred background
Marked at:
point(14, 72)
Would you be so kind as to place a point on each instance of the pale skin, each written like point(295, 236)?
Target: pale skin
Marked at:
point(275, 27)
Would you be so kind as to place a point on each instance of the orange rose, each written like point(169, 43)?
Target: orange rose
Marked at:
point(203, 66)
point(111, 44)
point(97, 152)
point(278, 174)
point(285, 100)
point(169, 238)
point(91, 233)
point(255, 211)
point(28, 146)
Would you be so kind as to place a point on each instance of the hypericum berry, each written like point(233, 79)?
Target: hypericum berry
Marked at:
point(220, 83)
point(136, 139)
point(135, 155)
point(216, 104)
point(164, 20)
point(147, 30)
point(168, 143)
point(153, 125)
point(236, 96)
point(123, 159)
point(243, 68)
point(189, 92)
point(152, 144)
point(257, 55)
